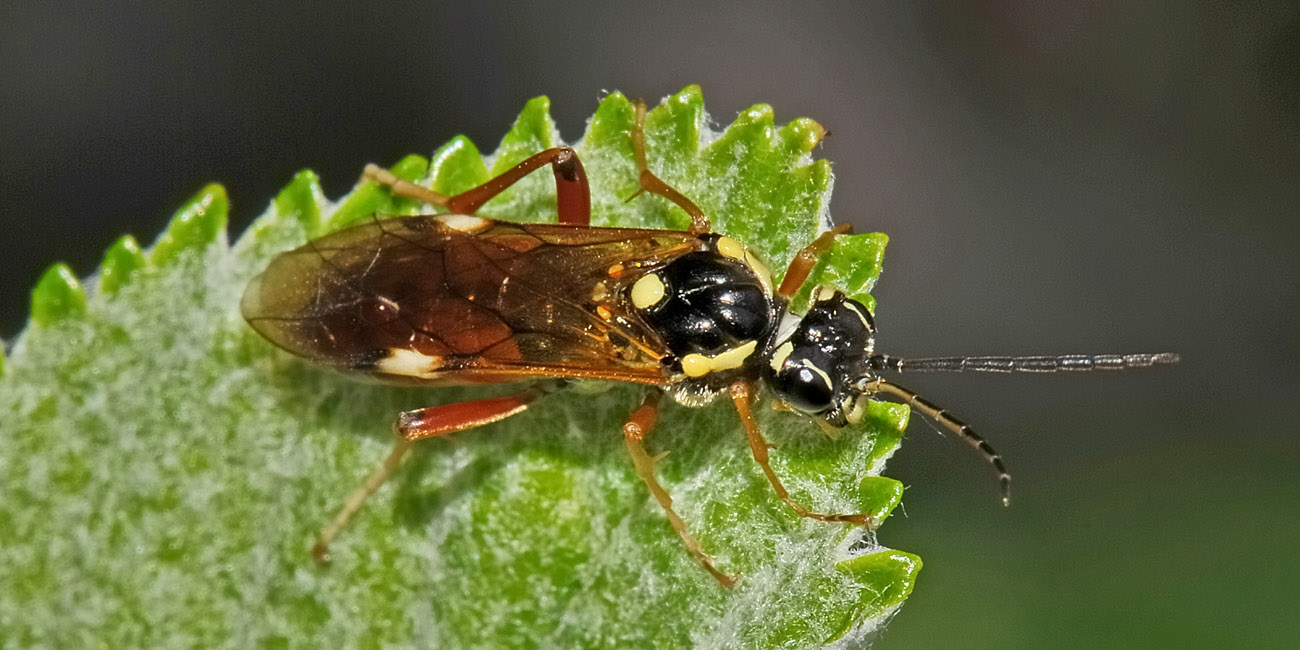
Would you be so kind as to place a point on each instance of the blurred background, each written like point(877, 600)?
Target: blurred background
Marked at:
point(1084, 176)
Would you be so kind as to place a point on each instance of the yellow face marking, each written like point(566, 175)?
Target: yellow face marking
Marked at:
point(647, 291)
point(857, 312)
point(821, 373)
point(781, 354)
point(823, 292)
point(408, 363)
point(859, 408)
point(463, 222)
point(698, 365)
point(731, 248)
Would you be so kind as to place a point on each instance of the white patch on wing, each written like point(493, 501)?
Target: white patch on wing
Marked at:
point(409, 363)
point(466, 223)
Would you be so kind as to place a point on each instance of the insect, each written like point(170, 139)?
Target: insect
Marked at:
point(453, 298)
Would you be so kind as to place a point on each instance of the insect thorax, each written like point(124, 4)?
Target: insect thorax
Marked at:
point(715, 314)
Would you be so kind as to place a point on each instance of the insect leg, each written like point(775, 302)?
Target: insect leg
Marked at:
point(416, 425)
point(655, 185)
point(402, 187)
point(573, 197)
point(634, 433)
point(804, 261)
point(741, 393)
point(939, 415)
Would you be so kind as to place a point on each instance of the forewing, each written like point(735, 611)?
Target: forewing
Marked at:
point(454, 298)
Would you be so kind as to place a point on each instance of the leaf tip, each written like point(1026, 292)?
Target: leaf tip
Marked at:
point(57, 295)
point(879, 496)
point(801, 135)
point(611, 123)
point(889, 576)
point(120, 260)
point(195, 225)
point(457, 166)
point(301, 199)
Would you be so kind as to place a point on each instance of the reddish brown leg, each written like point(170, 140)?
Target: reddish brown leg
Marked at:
point(634, 433)
point(655, 185)
point(416, 425)
point(573, 197)
point(741, 393)
point(806, 259)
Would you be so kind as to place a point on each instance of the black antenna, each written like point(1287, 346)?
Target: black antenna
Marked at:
point(941, 417)
point(1060, 363)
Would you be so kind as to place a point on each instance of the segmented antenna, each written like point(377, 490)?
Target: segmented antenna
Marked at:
point(942, 418)
point(1061, 363)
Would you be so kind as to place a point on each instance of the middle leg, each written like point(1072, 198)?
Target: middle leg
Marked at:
point(634, 433)
point(655, 185)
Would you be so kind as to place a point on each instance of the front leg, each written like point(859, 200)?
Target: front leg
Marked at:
point(804, 261)
point(741, 394)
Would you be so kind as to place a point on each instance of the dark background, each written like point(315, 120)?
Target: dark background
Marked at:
point(1055, 177)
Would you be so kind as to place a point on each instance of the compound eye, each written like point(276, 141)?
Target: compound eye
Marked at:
point(804, 386)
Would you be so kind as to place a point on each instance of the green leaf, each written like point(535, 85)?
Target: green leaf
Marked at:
point(166, 470)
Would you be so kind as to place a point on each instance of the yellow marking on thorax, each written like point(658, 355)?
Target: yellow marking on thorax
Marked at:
point(731, 248)
point(698, 365)
point(647, 291)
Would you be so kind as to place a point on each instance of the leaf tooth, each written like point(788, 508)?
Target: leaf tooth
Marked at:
point(533, 131)
point(58, 295)
point(878, 496)
point(610, 124)
point(887, 578)
point(674, 125)
point(457, 166)
point(120, 260)
point(195, 225)
point(800, 136)
point(302, 199)
point(749, 135)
